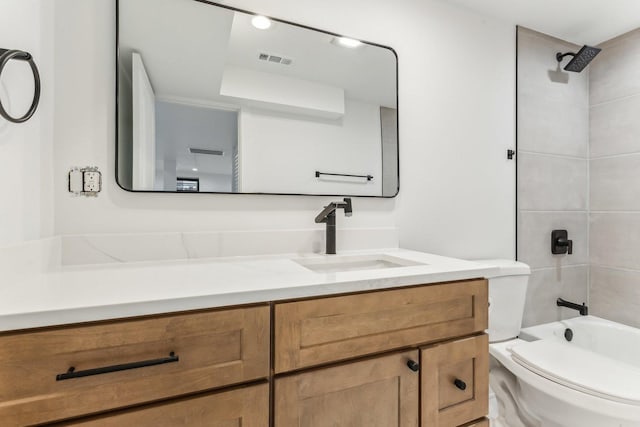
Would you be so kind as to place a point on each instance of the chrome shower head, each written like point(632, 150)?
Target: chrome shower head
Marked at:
point(580, 60)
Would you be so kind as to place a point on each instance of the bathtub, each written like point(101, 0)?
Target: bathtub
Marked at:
point(610, 339)
point(592, 380)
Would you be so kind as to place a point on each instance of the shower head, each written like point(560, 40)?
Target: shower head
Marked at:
point(580, 60)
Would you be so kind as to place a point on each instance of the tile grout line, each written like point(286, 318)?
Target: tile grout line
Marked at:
point(614, 156)
point(588, 197)
point(612, 267)
point(601, 212)
point(558, 156)
point(611, 101)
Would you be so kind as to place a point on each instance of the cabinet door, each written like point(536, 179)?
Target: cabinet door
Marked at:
point(246, 407)
point(380, 392)
point(455, 382)
point(326, 330)
point(129, 362)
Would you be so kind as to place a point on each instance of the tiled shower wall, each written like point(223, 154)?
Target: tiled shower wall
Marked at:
point(615, 180)
point(553, 153)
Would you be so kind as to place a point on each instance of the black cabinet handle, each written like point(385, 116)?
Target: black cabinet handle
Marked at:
point(460, 384)
point(413, 365)
point(72, 373)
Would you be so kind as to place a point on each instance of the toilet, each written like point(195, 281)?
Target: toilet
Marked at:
point(530, 382)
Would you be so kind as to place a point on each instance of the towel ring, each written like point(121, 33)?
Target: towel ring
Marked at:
point(8, 55)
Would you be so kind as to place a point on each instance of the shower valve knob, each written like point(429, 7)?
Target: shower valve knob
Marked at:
point(560, 243)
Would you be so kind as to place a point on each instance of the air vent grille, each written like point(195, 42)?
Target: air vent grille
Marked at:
point(276, 59)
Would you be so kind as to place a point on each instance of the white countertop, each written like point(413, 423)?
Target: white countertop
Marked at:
point(75, 294)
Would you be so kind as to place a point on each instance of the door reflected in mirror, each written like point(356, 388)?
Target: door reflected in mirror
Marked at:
point(217, 100)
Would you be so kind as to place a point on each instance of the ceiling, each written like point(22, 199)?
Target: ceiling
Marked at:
point(186, 45)
point(579, 21)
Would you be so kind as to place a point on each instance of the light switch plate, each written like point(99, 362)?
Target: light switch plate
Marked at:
point(75, 181)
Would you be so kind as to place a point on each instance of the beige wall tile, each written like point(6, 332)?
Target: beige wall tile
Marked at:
point(614, 240)
point(615, 128)
point(615, 183)
point(546, 286)
point(555, 127)
point(551, 183)
point(615, 294)
point(534, 243)
point(538, 70)
point(614, 72)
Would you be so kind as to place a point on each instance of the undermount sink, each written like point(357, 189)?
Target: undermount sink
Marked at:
point(339, 263)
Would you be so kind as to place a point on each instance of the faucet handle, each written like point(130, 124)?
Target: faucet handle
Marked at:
point(560, 243)
point(348, 207)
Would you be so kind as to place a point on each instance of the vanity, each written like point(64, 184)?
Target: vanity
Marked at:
point(385, 339)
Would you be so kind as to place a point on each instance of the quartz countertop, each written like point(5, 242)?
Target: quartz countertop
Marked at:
point(74, 294)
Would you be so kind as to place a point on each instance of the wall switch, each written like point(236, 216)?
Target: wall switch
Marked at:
point(85, 181)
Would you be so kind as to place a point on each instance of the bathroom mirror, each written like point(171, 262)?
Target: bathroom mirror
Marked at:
point(212, 99)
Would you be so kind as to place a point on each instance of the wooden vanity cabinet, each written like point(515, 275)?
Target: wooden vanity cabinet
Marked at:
point(326, 330)
point(405, 357)
point(65, 372)
point(246, 407)
point(381, 391)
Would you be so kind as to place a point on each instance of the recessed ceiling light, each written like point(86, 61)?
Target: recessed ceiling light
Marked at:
point(347, 42)
point(195, 169)
point(261, 22)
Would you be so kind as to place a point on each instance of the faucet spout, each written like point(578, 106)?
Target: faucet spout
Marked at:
point(582, 309)
point(328, 216)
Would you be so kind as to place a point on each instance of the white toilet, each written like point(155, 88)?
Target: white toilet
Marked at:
point(530, 380)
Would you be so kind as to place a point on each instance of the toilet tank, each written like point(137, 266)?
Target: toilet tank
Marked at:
point(507, 294)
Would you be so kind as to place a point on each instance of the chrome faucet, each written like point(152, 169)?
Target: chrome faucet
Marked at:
point(328, 216)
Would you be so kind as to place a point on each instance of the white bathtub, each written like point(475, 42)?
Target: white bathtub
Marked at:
point(591, 381)
point(610, 339)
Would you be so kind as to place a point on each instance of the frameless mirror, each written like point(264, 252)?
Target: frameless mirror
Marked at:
point(214, 99)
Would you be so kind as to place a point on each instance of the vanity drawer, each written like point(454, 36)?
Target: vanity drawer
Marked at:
point(210, 349)
point(246, 407)
point(481, 423)
point(457, 372)
point(320, 331)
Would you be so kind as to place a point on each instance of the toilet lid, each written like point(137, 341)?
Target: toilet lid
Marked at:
point(580, 370)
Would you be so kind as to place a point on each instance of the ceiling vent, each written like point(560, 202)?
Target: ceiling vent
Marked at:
point(206, 151)
point(275, 59)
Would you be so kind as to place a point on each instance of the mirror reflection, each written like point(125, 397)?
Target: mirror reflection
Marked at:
point(211, 99)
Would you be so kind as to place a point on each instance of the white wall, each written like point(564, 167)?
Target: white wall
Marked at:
point(456, 122)
point(276, 161)
point(26, 200)
point(282, 93)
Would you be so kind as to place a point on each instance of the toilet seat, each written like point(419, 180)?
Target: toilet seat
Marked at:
point(580, 370)
point(559, 404)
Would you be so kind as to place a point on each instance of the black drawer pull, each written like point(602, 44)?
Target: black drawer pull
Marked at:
point(72, 373)
point(460, 384)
